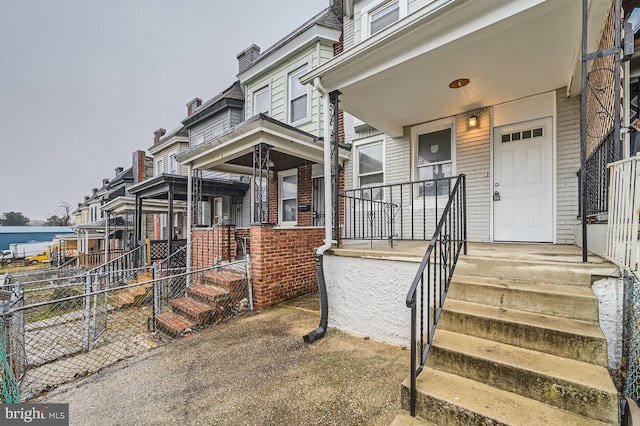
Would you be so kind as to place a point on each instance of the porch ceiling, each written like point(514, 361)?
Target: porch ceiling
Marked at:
point(508, 49)
point(233, 151)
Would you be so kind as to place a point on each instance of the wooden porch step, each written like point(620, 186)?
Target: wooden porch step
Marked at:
point(198, 311)
point(207, 293)
point(174, 324)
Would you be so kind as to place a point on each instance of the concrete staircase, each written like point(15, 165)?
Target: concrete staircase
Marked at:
point(207, 301)
point(518, 343)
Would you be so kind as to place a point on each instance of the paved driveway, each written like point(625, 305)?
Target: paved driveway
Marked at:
point(252, 370)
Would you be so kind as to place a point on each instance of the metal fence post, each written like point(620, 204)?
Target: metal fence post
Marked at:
point(87, 313)
point(156, 294)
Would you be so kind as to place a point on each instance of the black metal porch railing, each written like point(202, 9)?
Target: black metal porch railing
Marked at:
point(404, 211)
point(597, 179)
point(431, 283)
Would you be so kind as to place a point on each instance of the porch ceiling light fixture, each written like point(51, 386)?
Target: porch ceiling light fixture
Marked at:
point(473, 118)
point(458, 83)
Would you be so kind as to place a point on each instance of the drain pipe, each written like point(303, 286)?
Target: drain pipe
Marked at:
point(319, 332)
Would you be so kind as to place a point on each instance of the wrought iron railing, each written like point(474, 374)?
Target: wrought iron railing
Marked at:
point(431, 283)
point(596, 201)
point(403, 211)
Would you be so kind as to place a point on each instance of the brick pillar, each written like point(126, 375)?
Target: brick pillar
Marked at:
point(304, 195)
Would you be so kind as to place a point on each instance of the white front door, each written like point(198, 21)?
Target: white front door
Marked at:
point(523, 182)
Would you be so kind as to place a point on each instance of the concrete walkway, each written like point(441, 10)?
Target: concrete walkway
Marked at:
point(251, 370)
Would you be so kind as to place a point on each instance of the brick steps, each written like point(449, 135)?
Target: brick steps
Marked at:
point(173, 323)
point(205, 302)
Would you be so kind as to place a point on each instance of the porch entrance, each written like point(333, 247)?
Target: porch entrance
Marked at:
point(522, 182)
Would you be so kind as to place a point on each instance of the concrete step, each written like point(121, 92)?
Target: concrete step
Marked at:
point(174, 324)
point(580, 387)
point(404, 419)
point(447, 399)
point(549, 299)
point(209, 294)
point(579, 340)
point(563, 273)
point(193, 309)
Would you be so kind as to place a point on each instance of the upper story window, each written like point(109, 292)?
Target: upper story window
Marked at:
point(159, 166)
point(384, 16)
point(298, 97)
point(198, 139)
point(173, 164)
point(380, 14)
point(369, 169)
point(262, 101)
point(433, 145)
point(218, 130)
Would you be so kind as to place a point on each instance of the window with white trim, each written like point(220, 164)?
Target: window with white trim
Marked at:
point(198, 139)
point(288, 197)
point(380, 14)
point(369, 169)
point(298, 97)
point(218, 130)
point(173, 163)
point(433, 146)
point(262, 101)
point(159, 166)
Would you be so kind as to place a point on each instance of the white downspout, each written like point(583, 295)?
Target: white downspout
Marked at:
point(319, 332)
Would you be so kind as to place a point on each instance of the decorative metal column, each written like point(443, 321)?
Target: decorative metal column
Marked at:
point(596, 85)
point(261, 169)
point(334, 137)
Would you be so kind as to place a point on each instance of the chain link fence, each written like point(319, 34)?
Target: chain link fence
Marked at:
point(59, 329)
point(631, 337)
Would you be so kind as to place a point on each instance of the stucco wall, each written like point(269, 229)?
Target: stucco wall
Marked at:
point(366, 296)
point(609, 293)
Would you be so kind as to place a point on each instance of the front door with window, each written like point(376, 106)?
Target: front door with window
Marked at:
point(523, 182)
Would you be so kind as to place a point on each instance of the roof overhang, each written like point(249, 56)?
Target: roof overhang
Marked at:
point(159, 187)
point(270, 58)
point(123, 205)
point(509, 49)
point(233, 151)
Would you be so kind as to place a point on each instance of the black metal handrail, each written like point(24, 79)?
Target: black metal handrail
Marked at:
point(402, 211)
point(597, 179)
point(434, 276)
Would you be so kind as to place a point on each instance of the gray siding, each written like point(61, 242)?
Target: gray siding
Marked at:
point(473, 158)
point(203, 132)
point(568, 162)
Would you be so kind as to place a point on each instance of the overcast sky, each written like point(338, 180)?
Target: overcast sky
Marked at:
point(83, 83)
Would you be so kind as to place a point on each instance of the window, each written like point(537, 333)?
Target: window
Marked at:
point(434, 155)
point(288, 191)
point(159, 166)
point(383, 16)
point(380, 14)
point(198, 139)
point(218, 130)
point(262, 101)
point(163, 226)
point(369, 169)
point(298, 96)
point(173, 164)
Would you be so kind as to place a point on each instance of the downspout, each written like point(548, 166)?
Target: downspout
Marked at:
point(319, 332)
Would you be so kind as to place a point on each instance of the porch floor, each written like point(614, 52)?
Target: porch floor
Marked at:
point(414, 250)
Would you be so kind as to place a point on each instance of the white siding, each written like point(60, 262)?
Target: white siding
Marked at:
point(164, 155)
point(568, 163)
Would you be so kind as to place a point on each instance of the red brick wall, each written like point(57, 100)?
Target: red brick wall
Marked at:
point(273, 199)
point(213, 245)
point(283, 263)
point(304, 195)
